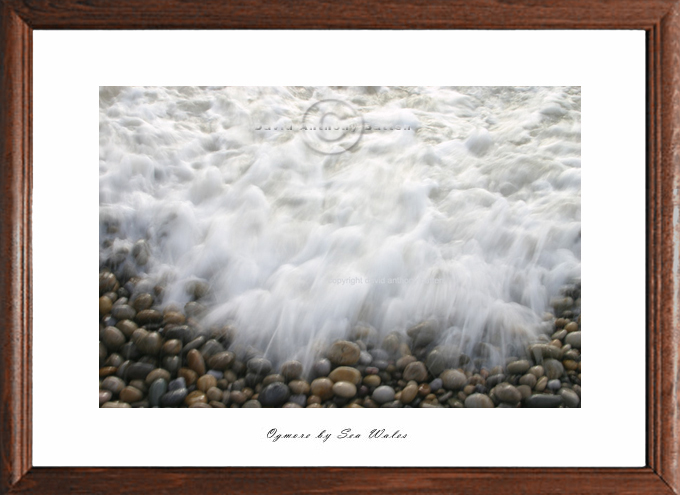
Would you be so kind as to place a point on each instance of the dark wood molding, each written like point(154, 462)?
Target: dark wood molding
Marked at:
point(661, 21)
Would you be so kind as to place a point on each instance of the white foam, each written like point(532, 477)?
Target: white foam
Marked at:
point(468, 215)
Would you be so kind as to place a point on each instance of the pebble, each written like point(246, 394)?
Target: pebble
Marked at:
point(174, 398)
point(113, 338)
point(115, 404)
point(272, 379)
point(322, 387)
point(344, 389)
point(172, 347)
point(383, 394)
point(148, 316)
point(177, 383)
point(195, 362)
point(105, 305)
point(409, 393)
point(518, 367)
point(372, 380)
point(156, 374)
point(571, 327)
point(554, 385)
point(142, 301)
point(453, 379)
point(157, 389)
point(365, 358)
point(415, 371)
point(574, 339)
point(507, 393)
point(299, 399)
point(206, 382)
point(122, 312)
point(104, 396)
point(571, 399)
point(537, 371)
point(539, 351)
point(299, 387)
point(553, 368)
point(423, 334)
point(404, 361)
point(190, 376)
point(344, 352)
point(291, 370)
point(436, 384)
point(322, 367)
point(274, 395)
point(222, 360)
point(494, 380)
point(194, 397)
point(543, 400)
point(541, 384)
point(345, 374)
point(138, 370)
point(529, 380)
point(478, 400)
point(259, 365)
point(524, 390)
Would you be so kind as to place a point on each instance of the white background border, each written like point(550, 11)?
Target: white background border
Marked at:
point(69, 429)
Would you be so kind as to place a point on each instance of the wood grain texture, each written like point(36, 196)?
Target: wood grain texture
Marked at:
point(354, 14)
point(15, 260)
point(659, 18)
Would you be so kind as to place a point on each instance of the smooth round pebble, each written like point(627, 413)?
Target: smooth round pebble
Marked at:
point(383, 394)
point(345, 390)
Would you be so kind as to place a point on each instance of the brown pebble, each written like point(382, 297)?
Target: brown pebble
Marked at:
point(313, 399)
point(372, 380)
point(173, 318)
point(190, 376)
point(237, 397)
point(199, 404)
point(216, 404)
point(172, 347)
point(214, 393)
point(107, 370)
point(105, 305)
point(424, 390)
point(571, 327)
point(113, 338)
point(322, 387)
point(570, 365)
point(409, 393)
point(115, 404)
point(131, 394)
point(221, 361)
point(206, 382)
point(128, 327)
point(195, 396)
point(313, 405)
point(195, 361)
point(104, 396)
point(299, 387)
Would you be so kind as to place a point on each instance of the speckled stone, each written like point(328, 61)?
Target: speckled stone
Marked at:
point(344, 353)
point(415, 371)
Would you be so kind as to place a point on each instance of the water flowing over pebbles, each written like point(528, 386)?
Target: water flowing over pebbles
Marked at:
point(242, 269)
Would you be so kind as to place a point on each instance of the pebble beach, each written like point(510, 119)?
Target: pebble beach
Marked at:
point(164, 358)
point(340, 246)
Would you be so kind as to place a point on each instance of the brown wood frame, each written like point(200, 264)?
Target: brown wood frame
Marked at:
point(661, 21)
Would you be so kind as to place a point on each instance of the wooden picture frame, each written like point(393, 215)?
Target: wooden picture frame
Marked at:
point(661, 21)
